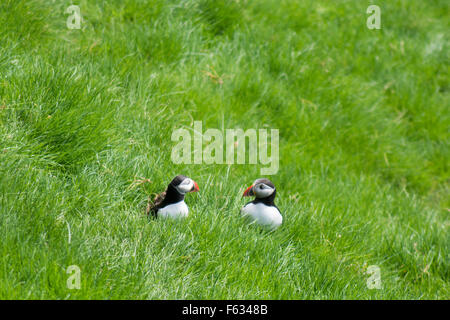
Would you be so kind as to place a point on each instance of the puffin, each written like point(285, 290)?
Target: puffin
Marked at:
point(170, 203)
point(262, 210)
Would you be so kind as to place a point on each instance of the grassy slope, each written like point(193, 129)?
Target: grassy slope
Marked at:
point(364, 148)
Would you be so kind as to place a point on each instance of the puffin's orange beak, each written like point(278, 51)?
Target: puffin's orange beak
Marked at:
point(195, 188)
point(248, 192)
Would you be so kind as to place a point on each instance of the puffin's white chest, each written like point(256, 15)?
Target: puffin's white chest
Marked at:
point(262, 214)
point(175, 210)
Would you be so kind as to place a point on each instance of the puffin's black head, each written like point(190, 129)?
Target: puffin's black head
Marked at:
point(261, 188)
point(184, 184)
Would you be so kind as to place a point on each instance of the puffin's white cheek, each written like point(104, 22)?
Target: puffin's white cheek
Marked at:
point(263, 193)
point(185, 188)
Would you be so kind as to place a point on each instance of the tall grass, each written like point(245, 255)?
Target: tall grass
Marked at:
point(364, 147)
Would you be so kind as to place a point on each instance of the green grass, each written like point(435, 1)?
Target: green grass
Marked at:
point(364, 148)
